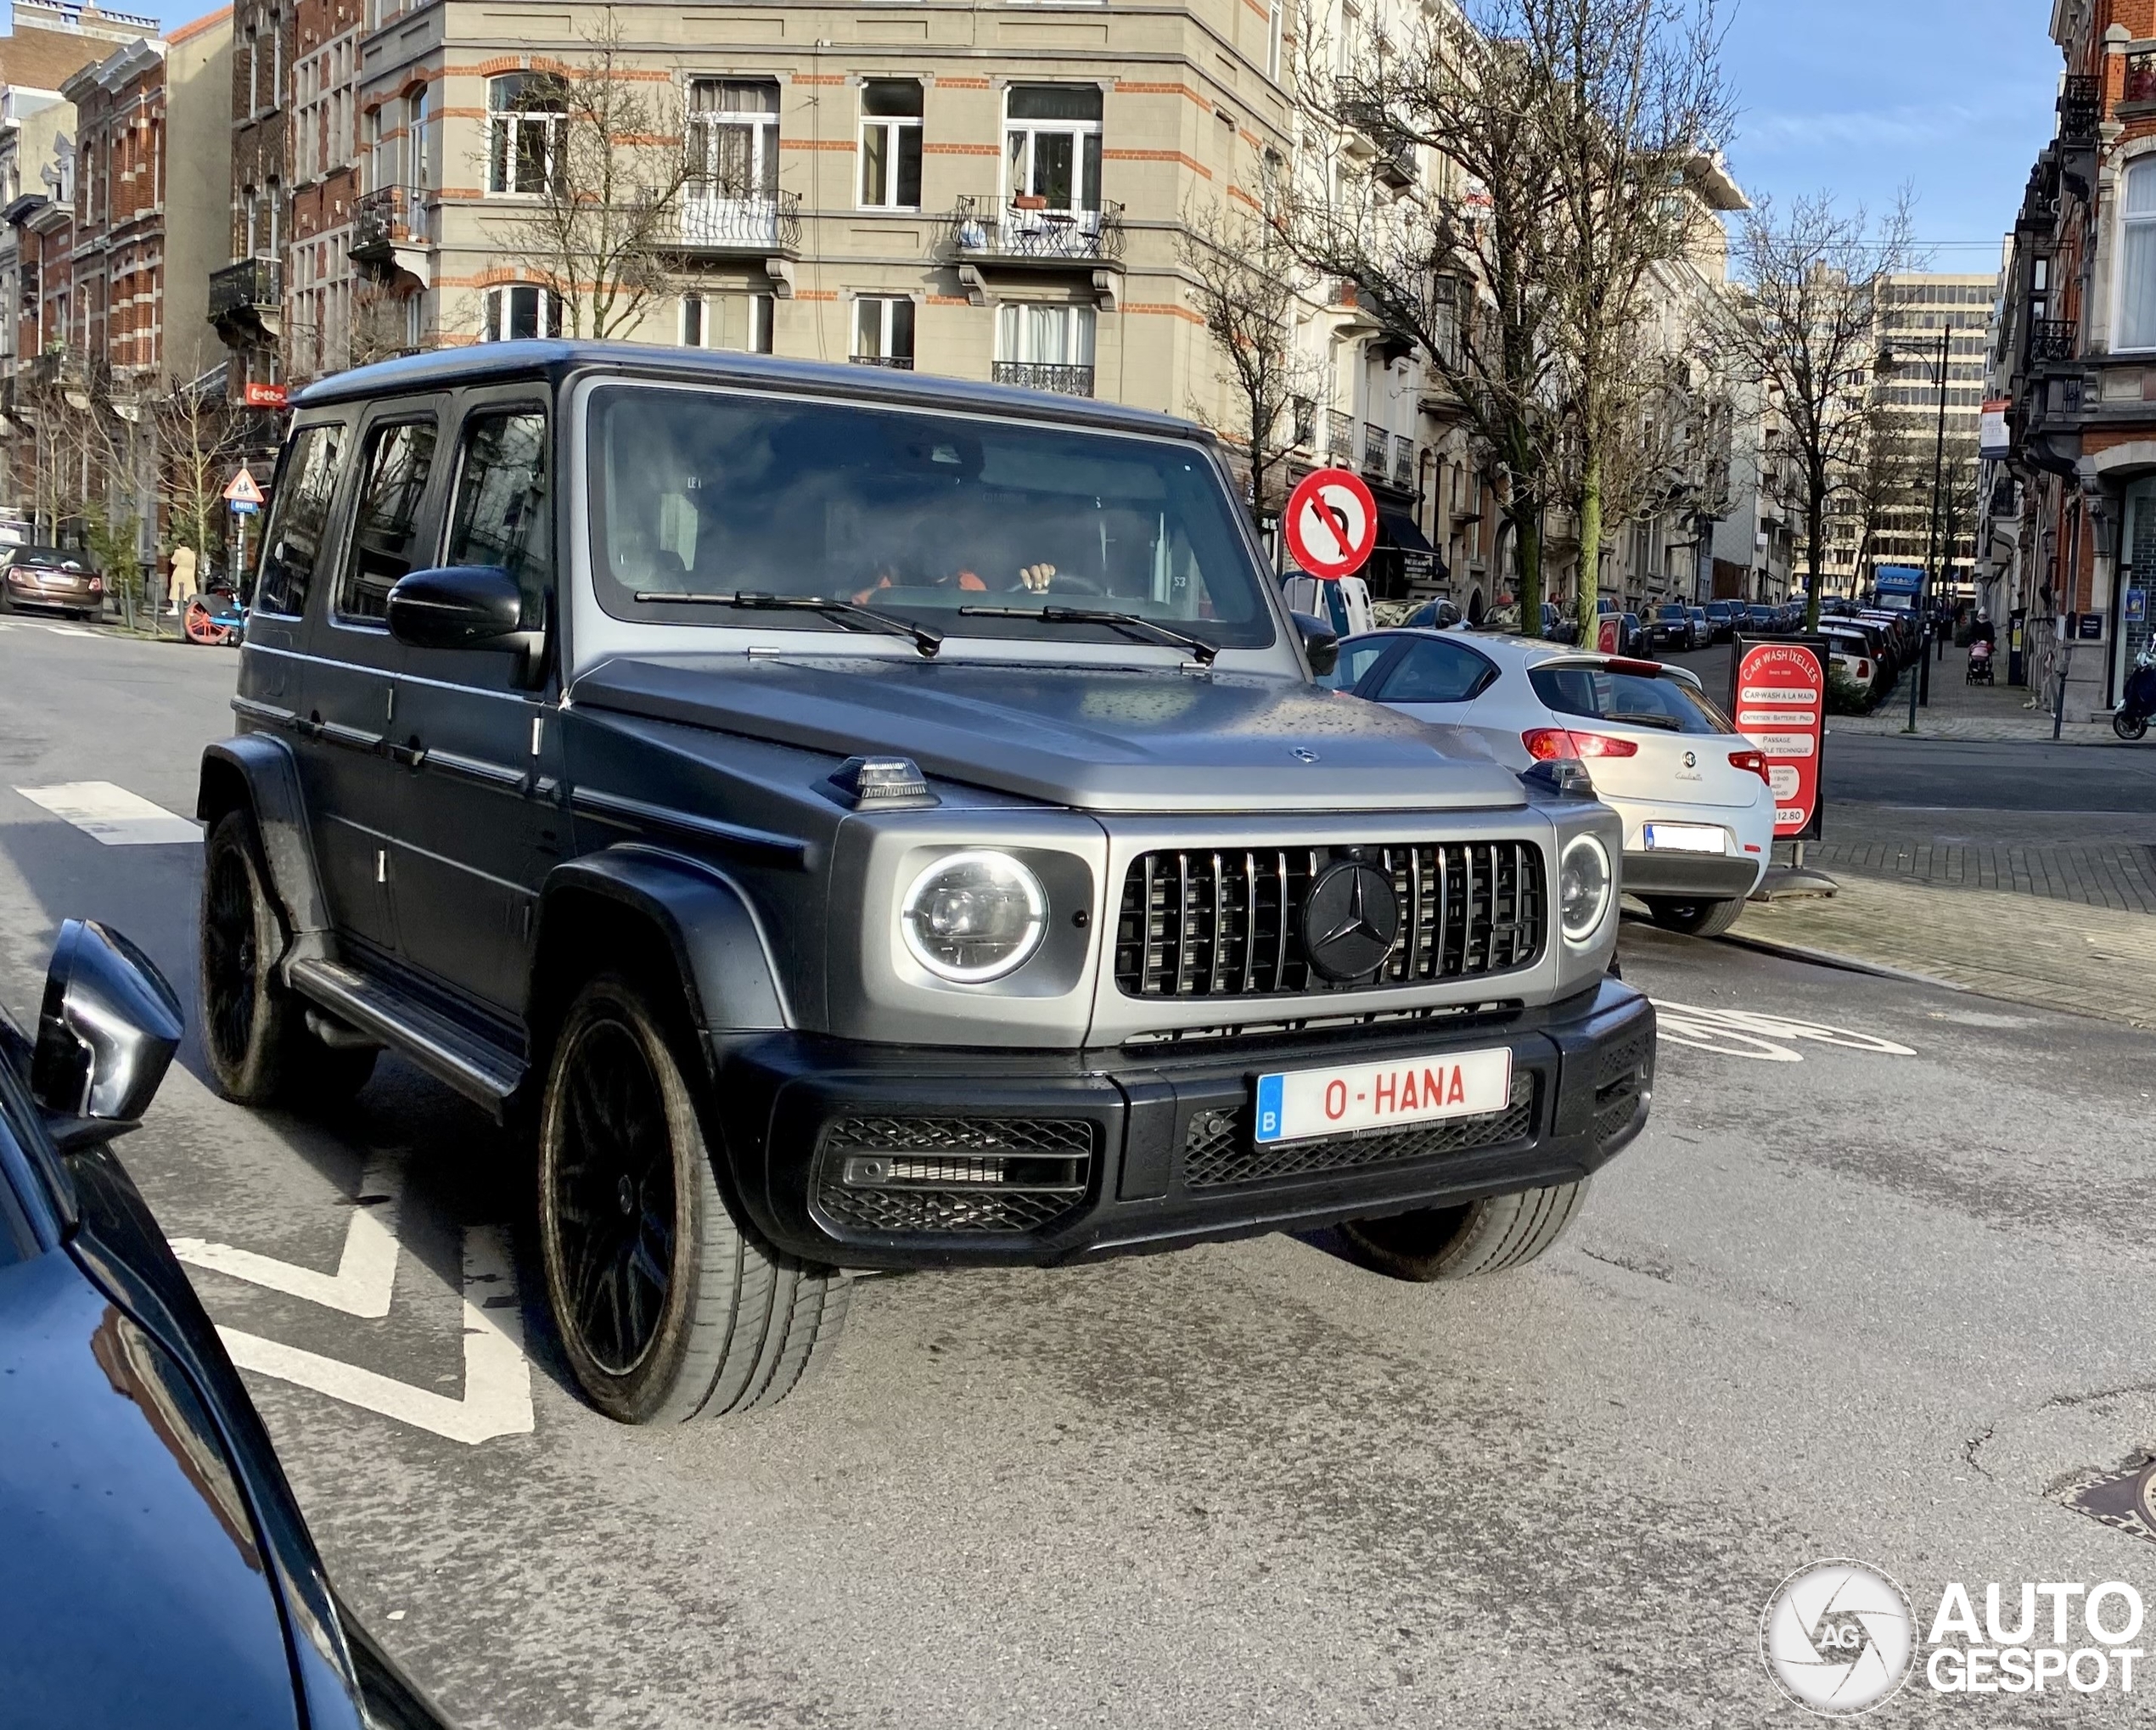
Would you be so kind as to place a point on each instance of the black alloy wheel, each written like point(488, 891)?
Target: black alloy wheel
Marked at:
point(612, 1192)
point(231, 957)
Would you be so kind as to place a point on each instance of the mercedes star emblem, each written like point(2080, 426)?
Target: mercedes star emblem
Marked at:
point(1304, 753)
point(1350, 922)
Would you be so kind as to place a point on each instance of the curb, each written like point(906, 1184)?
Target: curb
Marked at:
point(1843, 964)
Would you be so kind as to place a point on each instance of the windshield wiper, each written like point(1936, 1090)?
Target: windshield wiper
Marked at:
point(1668, 722)
point(1130, 624)
point(845, 612)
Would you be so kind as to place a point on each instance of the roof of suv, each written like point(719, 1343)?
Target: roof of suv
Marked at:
point(529, 357)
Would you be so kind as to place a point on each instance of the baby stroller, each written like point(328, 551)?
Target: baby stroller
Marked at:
point(1980, 672)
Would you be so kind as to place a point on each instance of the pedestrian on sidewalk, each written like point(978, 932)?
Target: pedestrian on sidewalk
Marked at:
point(183, 582)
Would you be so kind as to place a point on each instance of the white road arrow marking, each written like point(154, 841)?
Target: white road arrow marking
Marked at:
point(366, 1271)
point(497, 1378)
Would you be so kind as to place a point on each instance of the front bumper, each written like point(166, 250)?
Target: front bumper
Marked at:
point(1001, 1158)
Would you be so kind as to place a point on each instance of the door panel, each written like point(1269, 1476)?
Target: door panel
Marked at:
point(480, 819)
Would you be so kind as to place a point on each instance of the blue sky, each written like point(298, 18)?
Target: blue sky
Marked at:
point(1859, 96)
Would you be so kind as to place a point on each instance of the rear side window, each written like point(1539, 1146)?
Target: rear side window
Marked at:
point(385, 526)
point(1628, 699)
point(1435, 672)
point(298, 517)
point(501, 515)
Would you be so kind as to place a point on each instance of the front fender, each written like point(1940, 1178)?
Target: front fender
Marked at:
point(255, 772)
point(703, 916)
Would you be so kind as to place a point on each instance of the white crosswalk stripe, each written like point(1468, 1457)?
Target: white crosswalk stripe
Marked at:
point(112, 814)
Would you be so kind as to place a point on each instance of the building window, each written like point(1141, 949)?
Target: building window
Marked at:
point(1275, 28)
point(741, 322)
point(733, 136)
point(890, 145)
point(520, 310)
point(2137, 258)
point(415, 141)
point(1051, 147)
point(526, 113)
point(1044, 348)
point(883, 330)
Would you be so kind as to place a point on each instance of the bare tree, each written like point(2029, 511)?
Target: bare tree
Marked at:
point(607, 167)
point(1804, 323)
point(1890, 478)
point(1637, 101)
point(1243, 274)
point(200, 440)
point(1461, 269)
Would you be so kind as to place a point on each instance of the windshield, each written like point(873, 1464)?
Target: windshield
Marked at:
point(1628, 699)
point(912, 513)
point(1677, 613)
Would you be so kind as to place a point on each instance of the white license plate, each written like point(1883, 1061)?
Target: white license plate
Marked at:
point(1300, 1103)
point(1683, 838)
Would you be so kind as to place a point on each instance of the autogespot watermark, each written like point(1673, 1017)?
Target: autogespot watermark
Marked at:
point(1839, 1639)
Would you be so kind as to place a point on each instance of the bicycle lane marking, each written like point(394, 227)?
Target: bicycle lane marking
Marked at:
point(1761, 1038)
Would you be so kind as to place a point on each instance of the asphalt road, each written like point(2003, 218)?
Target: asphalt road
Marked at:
point(1972, 775)
point(1839, 1300)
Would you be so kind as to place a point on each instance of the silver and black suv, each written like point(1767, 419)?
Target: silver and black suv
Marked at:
point(853, 820)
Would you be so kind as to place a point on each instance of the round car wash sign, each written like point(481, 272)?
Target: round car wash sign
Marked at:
point(1782, 704)
point(1331, 523)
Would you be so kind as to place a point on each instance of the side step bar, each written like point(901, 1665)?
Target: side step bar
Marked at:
point(478, 1069)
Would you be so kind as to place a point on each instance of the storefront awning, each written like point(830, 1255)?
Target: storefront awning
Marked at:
point(1398, 529)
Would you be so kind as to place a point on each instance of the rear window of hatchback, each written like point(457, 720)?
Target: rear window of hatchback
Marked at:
point(1625, 697)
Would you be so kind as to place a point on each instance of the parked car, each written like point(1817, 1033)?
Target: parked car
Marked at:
point(1703, 633)
point(1691, 790)
point(158, 1571)
point(1631, 635)
point(1723, 619)
point(841, 810)
point(1854, 652)
point(1761, 620)
point(1439, 614)
point(51, 580)
point(1670, 630)
point(1556, 627)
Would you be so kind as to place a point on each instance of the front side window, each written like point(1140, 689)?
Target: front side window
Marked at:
point(526, 114)
point(520, 309)
point(890, 145)
point(883, 330)
point(385, 526)
point(292, 539)
point(698, 492)
point(1051, 147)
point(500, 517)
point(734, 136)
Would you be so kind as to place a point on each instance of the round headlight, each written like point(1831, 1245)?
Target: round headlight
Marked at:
point(971, 918)
point(1582, 888)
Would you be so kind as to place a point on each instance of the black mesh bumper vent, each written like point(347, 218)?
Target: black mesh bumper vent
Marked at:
point(1217, 1148)
point(953, 1173)
point(1622, 1080)
point(1229, 923)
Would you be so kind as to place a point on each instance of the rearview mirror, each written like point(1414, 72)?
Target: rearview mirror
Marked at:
point(106, 1034)
point(1320, 643)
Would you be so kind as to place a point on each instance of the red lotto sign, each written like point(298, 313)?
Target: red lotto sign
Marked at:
point(1781, 703)
point(1331, 524)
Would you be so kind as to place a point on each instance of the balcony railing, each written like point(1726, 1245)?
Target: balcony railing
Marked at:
point(1374, 443)
point(2051, 339)
point(388, 217)
point(250, 285)
point(903, 363)
point(1403, 462)
point(1045, 375)
point(2080, 108)
point(1339, 435)
point(1026, 230)
point(711, 220)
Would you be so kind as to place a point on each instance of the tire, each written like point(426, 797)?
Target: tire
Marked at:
point(684, 1313)
point(254, 1029)
point(1694, 919)
point(1494, 1235)
point(2128, 727)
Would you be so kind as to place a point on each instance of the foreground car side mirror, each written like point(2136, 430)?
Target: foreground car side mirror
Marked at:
point(464, 606)
point(1320, 643)
point(106, 1034)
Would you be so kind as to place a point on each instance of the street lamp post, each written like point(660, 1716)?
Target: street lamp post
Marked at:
point(1889, 362)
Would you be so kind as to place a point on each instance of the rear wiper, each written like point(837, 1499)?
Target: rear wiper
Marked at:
point(845, 612)
point(1670, 723)
point(1130, 624)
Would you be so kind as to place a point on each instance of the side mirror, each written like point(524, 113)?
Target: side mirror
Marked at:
point(464, 606)
point(1320, 643)
point(106, 1034)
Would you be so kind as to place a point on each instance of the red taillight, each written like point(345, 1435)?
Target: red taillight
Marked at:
point(1864, 672)
point(1545, 744)
point(1753, 760)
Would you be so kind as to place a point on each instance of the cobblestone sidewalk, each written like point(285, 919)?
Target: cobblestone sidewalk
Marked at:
point(2020, 724)
point(2027, 949)
point(2109, 863)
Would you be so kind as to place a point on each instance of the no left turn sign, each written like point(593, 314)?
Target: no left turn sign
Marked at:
point(1331, 523)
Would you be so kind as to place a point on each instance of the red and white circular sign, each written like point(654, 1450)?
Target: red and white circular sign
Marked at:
point(1331, 523)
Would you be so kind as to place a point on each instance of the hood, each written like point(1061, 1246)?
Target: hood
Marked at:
point(1098, 739)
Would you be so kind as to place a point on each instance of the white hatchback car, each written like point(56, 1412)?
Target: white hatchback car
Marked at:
point(1692, 790)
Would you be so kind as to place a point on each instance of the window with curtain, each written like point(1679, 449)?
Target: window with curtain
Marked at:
point(2137, 258)
point(733, 136)
point(1052, 146)
point(1056, 336)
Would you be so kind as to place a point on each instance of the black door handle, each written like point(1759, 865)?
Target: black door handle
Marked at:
point(410, 754)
